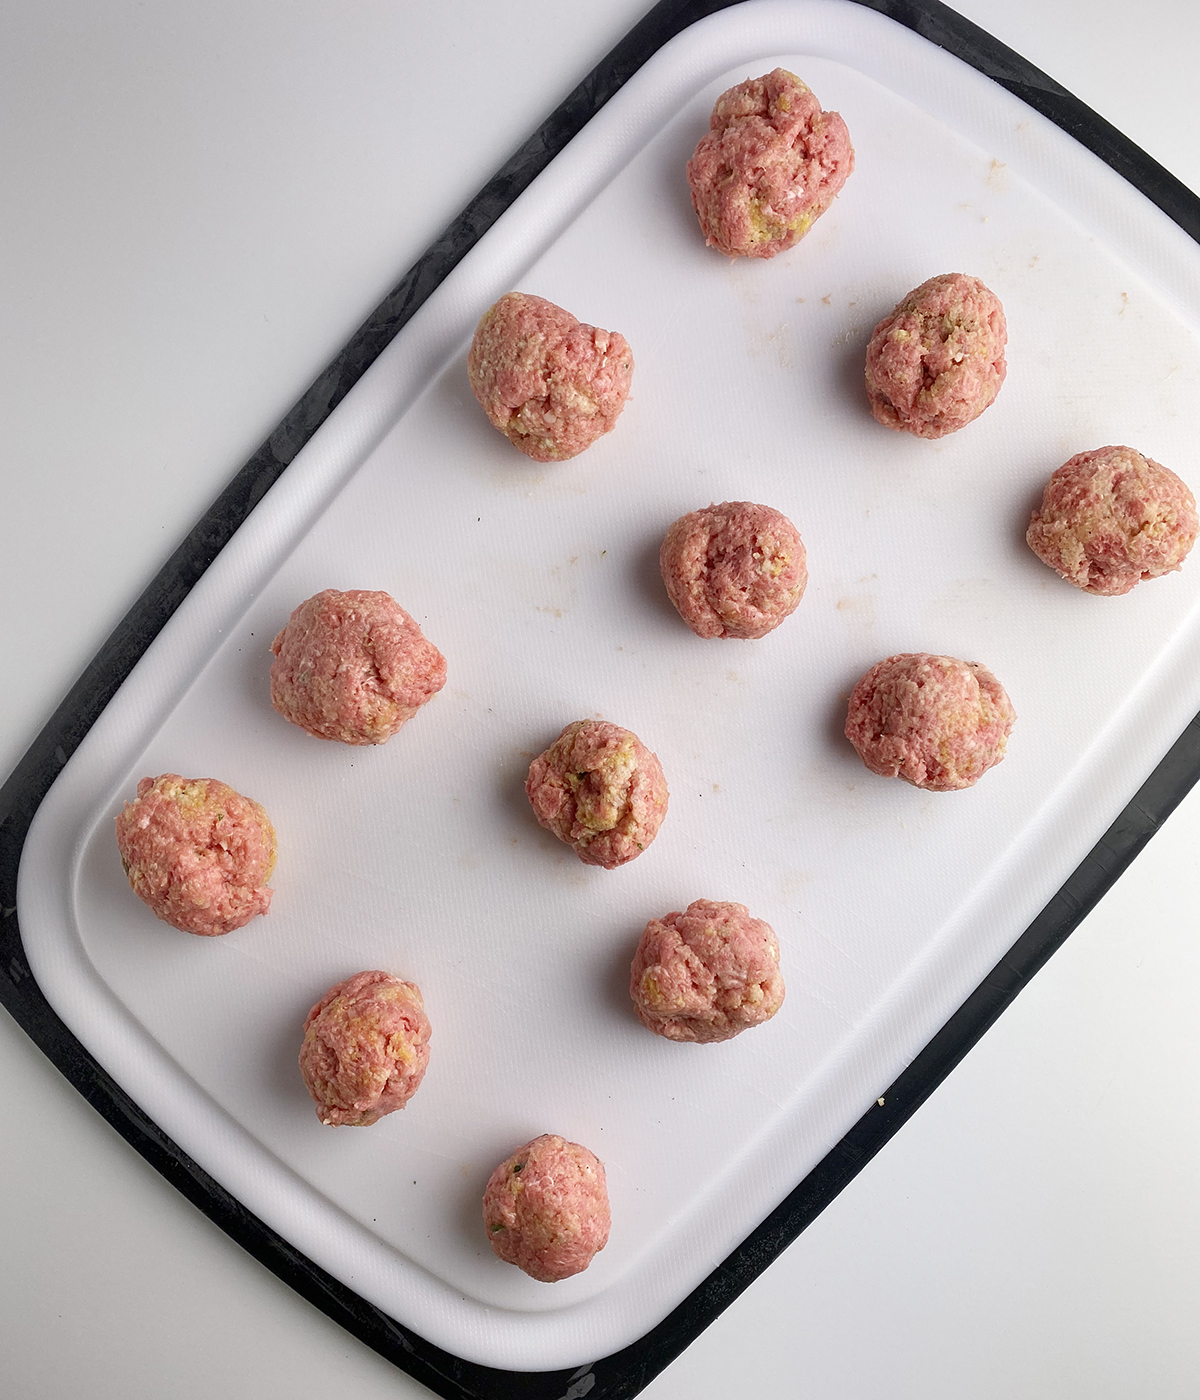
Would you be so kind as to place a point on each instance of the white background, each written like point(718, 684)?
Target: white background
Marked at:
point(198, 204)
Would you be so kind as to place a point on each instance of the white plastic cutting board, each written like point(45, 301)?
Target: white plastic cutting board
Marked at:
point(540, 586)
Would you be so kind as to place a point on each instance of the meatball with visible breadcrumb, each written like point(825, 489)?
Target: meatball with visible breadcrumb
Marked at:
point(365, 1050)
point(934, 721)
point(197, 852)
point(734, 570)
point(353, 667)
point(769, 166)
point(937, 361)
point(707, 974)
point(546, 1208)
point(1111, 518)
point(599, 789)
point(550, 383)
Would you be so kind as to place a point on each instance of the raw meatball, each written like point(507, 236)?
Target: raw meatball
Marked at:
point(769, 167)
point(733, 570)
point(937, 361)
point(353, 666)
point(366, 1046)
point(936, 722)
point(550, 383)
point(1111, 518)
point(599, 789)
point(197, 852)
point(706, 974)
point(546, 1208)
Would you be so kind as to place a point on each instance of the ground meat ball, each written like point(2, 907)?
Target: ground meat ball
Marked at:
point(366, 1047)
point(198, 853)
point(936, 722)
point(734, 570)
point(768, 167)
point(550, 383)
point(937, 361)
point(1111, 518)
point(546, 1208)
point(706, 974)
point(353, 666)
point(599, 789)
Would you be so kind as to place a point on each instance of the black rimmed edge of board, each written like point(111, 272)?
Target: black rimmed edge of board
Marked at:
point(626, 1372)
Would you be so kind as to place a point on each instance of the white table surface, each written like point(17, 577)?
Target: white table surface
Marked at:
point(198, 204)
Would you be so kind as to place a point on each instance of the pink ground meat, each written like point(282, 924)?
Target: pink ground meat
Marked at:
point(365, 1050)
point(599, 789)
point(197, 852)
point(1110, 518)
point(546, 1208)
point(769, 166)
point(353, 667)
point(734, 570)
point(550, 383)
point(937, 361)
point(706, 974)
point(938, 723)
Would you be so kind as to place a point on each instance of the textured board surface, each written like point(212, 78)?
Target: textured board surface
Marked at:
point(539, 585)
